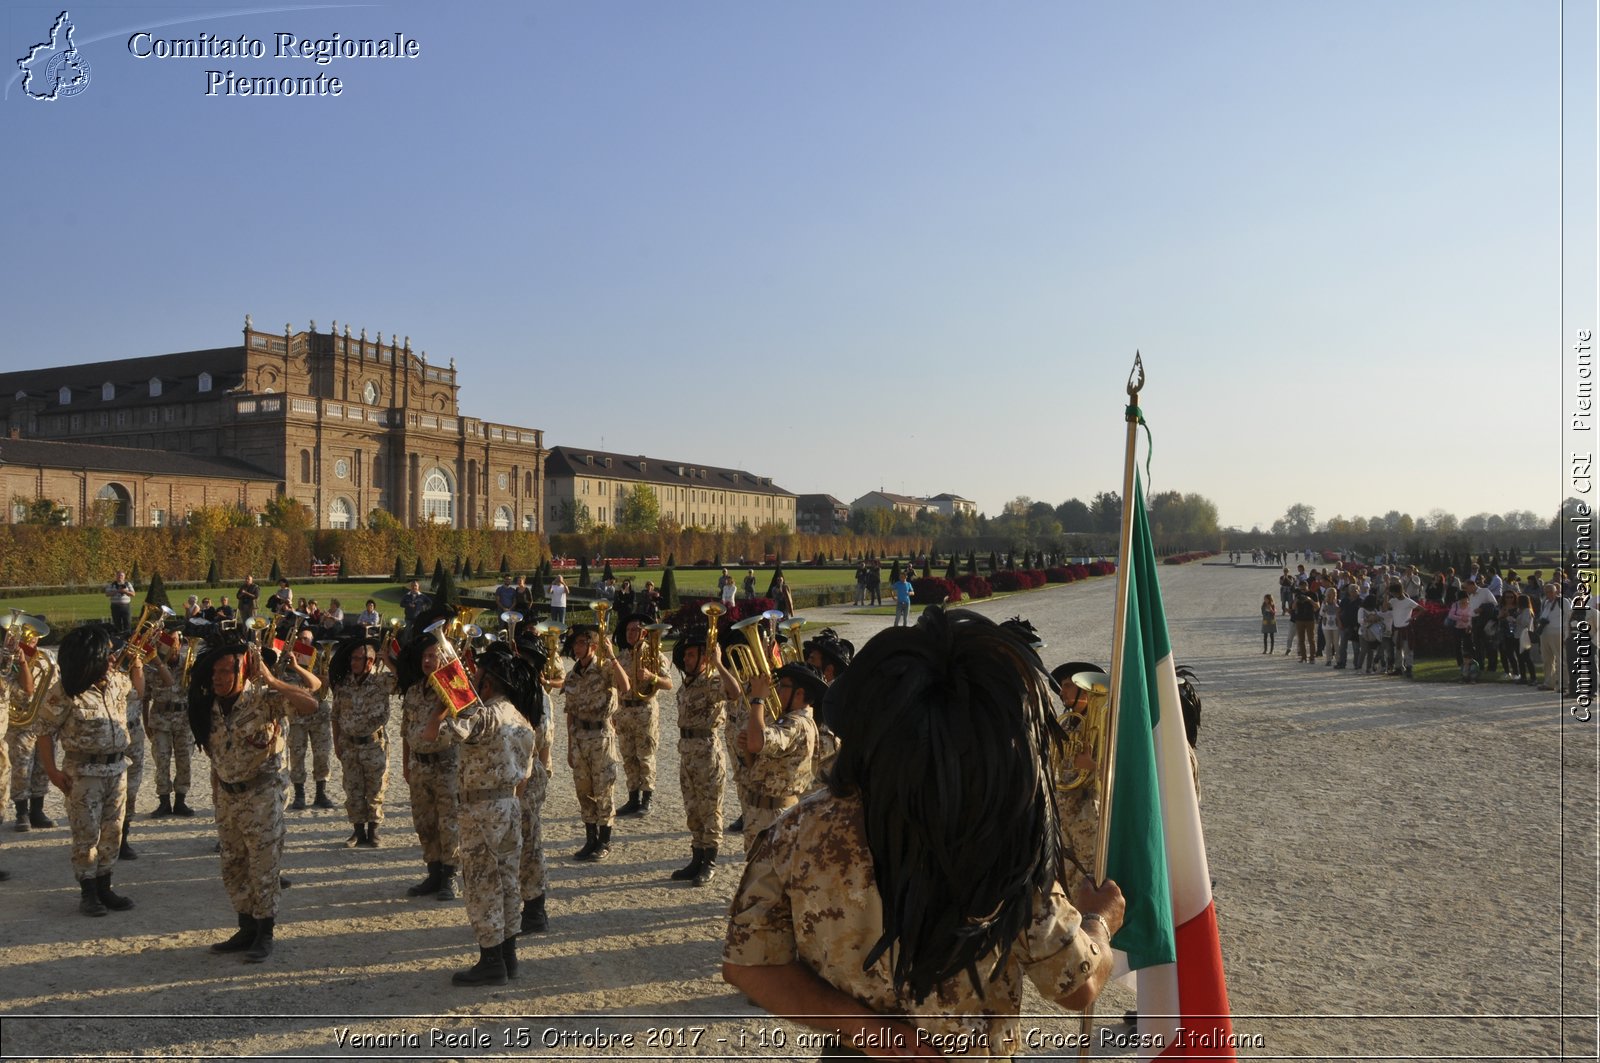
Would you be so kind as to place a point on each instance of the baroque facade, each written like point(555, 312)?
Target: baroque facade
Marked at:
point(344, 424)
point(693, 495)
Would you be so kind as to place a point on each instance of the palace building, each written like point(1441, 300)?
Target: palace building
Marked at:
point(696, 496)
point(344, 424)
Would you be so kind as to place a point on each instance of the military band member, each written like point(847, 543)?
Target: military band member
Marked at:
point(779, 741)
point(19, 694)
point(830, 655)
point(639, 718)
point(591, 691)
point(531, 877)
point(430, 770)
point(921, 842)
point(495, 735)
point(1079, 808)
point(702, 710)
point(158, 680)
point(29, 783)
point(170, 740)
point(316, 731)
point(238, 712)
point(360, 733)
point(86, 714)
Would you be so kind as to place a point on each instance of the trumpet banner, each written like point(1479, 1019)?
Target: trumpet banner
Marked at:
point(1156, 851)
point(451, 684)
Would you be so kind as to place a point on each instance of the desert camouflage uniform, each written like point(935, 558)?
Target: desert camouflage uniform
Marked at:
point(531, 875)
point(781, 772)
point(738, 766)
point(638, 725)
point(496, 743)
point(1080, 823)
point(316, 730)
point(591, 702)
point(27, 771)
point(90, 733)
point(6, 696)
point(827, 752)
point(170, 737)
point(701, 763)
point(434, 809)
point(809, 894)
point(361, 715)
point(246, 749)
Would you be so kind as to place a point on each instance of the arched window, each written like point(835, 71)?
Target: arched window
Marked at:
point(108, 391)
point(155, 387)
point(305, 466)
point(64, 396)
point(114, 506)
point(438, 497)
point(502, 518)
point(530, 522)
point(340, 513)
point(529, 489)
point(205, 381)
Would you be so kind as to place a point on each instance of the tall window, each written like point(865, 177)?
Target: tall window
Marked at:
point(340, 513)
point(438, 498)
point(305, 466)
point(502, 518)
point(64, 396)
point(115, 507)
point(155, 387)
point(108, 392)
point(205, 381)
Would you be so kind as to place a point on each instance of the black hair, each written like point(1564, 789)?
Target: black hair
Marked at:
point(83, 657)
point(505, 673)
point(408, 664)
point(945, 731)
point(201, 690)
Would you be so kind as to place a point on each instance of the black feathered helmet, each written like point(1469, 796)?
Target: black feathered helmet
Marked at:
point(514, 679)
point(835, 650)
point(572, 636)
point(695, 636)
point(83, 657)
point(531, 648)
point(201, 690)
point(808, 678)
point(339, 667)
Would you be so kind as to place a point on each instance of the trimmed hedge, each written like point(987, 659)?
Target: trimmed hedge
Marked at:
point(974, 585)
point(934, 590)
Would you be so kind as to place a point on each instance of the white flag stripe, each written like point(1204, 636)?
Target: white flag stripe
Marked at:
point(1188, 873)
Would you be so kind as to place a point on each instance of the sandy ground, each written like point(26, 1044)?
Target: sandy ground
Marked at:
point(1401, 870)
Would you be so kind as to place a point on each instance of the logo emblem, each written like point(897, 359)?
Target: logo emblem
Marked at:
point(54, 69)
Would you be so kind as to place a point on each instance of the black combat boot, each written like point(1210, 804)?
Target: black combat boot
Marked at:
point(357, 837)
point(36, 816)
point(89, 903)
point(603, 849)
point(261, 947)
point(180, 807)
point(534, 920)
point(372, 836)
point(447, 883)
point(299, 802)
point(591, 836)
point(22, 814)
point(115, 902)
point(321, 800)
point(428, 886)
point(126, 851)
point(684, 874)
point(243, 939)
point(644, 801)
point(163, 807)
point(708, 868)
point(508, 955)
point(632, 807)
point(489, 970)
point(736, 827)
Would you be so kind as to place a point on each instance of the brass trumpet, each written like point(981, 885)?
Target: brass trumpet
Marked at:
point(551, 633)
point(712, 610)
point(1086, 728)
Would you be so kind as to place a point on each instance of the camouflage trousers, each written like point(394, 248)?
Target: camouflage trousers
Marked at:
point(530, 875)
point(27, 771)
point(366, 768)
point(594, 773)
point(135, 763)
point(1080, 821)
point(317, 729)
point(170, 740)
point(738, 771)
point(701, 767)
point(638, 735)
point(250, 828)
point(491, 849)
point(95, 810)
point(434, 809)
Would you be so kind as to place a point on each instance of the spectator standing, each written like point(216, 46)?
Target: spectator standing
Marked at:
point(782, 597)
point(248, 594)
point(875, 582)
point(522, 601)
point(861, 582)
point(1552, 629)
point(750, 585)
point(120, 593)
point(902, 599)
point(1401, 609)
point(650, 601)
point(557, 593)
point(505, 595)
point(725, 590)
point(283, 601)
point(1330, 624)
point(1269, 623)
point(1304, 614)
point(1459, 621)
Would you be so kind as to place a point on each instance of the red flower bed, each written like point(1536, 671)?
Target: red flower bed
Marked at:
point(1193, 555)
point(1022, 579)
point(974, 586)
point(689, 614)
point(1060, 574)
point(934, 590)
point(1102, 568)
point(1431, 639)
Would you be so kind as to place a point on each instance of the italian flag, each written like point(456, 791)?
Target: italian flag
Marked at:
point(1156, 852)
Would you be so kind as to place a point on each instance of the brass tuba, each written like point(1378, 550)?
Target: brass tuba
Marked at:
point(1086, 728)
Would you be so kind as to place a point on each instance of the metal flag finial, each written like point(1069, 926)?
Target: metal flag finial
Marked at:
point(1136, 378)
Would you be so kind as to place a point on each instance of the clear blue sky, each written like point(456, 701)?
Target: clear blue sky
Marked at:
point(849, 245)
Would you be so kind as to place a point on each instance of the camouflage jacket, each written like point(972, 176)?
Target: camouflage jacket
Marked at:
point(93, 724)
point(361, 707)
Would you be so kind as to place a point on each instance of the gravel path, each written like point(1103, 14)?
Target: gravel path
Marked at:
point(1401, 870)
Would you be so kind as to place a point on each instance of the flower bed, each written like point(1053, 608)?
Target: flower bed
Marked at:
point(934, 590)
point(974, 586)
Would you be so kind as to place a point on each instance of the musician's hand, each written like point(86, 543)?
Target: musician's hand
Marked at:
point(258, 665)
point(572, 757)
point(1105, 900)
point(760, 685)
point(62, 781)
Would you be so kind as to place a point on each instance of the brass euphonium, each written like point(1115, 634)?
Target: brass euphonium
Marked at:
point(712, 610)
point(747, 662)
point(602, 641)
point(141, 645)
point(792, 653)
point(1086, 728)
point(191, 653)
point(21, 651)
point(647, 659)
point(551, 633)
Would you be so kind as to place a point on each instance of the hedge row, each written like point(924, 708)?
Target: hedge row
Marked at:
point(1193, 555)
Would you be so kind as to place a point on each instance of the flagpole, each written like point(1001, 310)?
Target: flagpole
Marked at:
point(1108, 759)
